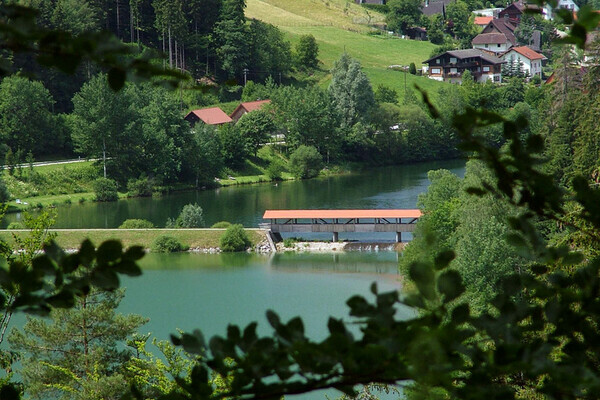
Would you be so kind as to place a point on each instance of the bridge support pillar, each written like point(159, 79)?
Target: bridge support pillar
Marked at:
point(335, 236)
point(399, 237)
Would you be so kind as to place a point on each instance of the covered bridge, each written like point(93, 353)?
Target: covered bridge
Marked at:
point(335, 221)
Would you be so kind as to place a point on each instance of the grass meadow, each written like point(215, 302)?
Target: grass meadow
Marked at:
point(339, 26)
point(193, 238)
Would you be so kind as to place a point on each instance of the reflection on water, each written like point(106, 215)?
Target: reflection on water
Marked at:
point(389, 187)
point(209, 291)
point(348, 262)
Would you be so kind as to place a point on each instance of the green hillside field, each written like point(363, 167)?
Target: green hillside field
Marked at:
point(340, 26)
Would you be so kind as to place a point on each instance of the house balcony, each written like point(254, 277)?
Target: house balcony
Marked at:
point(464, 64)
point(453, 75)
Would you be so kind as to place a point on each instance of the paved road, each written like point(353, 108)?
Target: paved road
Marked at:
point(57, 162)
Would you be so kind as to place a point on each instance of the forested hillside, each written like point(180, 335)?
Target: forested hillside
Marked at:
point(227, 52)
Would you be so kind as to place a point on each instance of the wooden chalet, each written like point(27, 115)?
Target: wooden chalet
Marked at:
point(515, 11)
point(450, 66)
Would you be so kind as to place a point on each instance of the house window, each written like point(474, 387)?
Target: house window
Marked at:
point(496, 78)
point(436, 71)
point(437, 61)
point(499, 44)
point(486, 69)
point(452, 60)
point(453, 70)
point(486, 45)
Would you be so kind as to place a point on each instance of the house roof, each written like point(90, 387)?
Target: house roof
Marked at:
point(471, 53)
point(332, 214)
point(490, 38)
point(527, 52)
point(435, 7)
point(211, 116)
point(482, 21)
point(520, 6)
point(250, 106)
point(502, 26)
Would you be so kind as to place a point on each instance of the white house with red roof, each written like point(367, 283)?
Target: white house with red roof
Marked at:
point(531, 60)
point(208, 116)
point(247, 107)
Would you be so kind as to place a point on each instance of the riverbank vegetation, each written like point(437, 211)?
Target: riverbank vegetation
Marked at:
point(194, 239)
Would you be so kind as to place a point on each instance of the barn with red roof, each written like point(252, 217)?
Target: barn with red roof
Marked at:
point(208, 116)
point(247, 107)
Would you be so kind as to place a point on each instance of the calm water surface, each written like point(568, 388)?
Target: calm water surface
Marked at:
point(208, 292)
point(389, 187)
point(193, 291)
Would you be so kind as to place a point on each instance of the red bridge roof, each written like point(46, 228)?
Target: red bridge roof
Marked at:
point(329, 214)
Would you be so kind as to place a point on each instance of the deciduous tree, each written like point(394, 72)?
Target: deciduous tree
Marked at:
point(403, 14)
point(351, 92)
point(307, 52)
point(256, 127)
point(103, 125)
point(26, 120)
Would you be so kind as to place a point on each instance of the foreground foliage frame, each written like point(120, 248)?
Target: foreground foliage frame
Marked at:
point(541, 333)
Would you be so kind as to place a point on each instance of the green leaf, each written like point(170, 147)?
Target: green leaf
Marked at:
point(134, 253)
point(87, 252)
point(413, 300)
point(194, 343)
point(423, 276)
point(336, 326)
point(9, 392)
point(64, 299)
point(572, 258)
point(516, 240)
point(539, 269)
point(105, 279)
point(44, 264)
point(443, 259)
point(128, 267)
point(109, 251)
point(54, 251)
point(273, 319)
point(475, 191)
point(116, 78)
point(450, 284)
point(460, 313)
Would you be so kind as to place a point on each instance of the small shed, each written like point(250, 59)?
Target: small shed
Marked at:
point(247, 107)
point(209, 116)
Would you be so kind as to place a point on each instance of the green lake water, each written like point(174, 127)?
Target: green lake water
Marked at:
point(207, 292)
point(389, 187)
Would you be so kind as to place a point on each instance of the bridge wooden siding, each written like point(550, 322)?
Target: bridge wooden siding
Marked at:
point(336, 221)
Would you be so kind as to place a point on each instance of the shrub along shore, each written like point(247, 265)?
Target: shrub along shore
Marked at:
point(194, 239)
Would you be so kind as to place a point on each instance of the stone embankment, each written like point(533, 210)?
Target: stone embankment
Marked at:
point(340, 246)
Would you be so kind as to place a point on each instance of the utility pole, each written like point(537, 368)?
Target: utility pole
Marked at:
point(245, 75)
point(405, 70)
